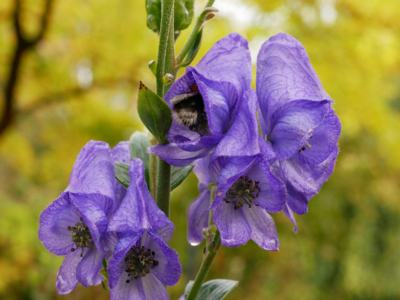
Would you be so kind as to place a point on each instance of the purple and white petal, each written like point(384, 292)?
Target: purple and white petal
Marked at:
point(66, 279)
point(87, 271)
point(120, 153)
point(202, 173)
point(232, 225)
point(54, 222)
point(289, 213)
point(198, 217)
point(263, 229)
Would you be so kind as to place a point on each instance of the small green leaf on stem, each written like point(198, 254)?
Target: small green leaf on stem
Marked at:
point(153, 67)
point(103, 285)
point(194, 48)
point(104, 273)
point(154, 113)
point(168, 79)
point(178, 175)
point(215, 289)
point(122, 173)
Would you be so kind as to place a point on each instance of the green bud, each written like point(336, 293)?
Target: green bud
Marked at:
point(153, 67)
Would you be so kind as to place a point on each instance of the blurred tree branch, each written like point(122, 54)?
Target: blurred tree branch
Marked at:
point(23, 44)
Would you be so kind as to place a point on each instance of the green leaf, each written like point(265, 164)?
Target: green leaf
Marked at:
point(178, 175)
point(193, 50)
point(104, 273)
point(106, 288)
point(122, 173)
point(138, 144)
point(154, 113)
point(215, 289)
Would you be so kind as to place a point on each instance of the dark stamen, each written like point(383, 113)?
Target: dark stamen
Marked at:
point(139, 261)
point(81, 236)
point(243, 192)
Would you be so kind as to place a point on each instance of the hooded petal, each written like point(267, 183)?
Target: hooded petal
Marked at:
point(138, 210)
point(263, 229)
point(66, 279)
point(120, 153)
point(93, 171)
point(242, 137)
point(284, 74)
point(202, 173)
point(145, 288)
point(293, 124)
point(54, 222)
point(198, 217)
point(87, 271)
point(169, 269)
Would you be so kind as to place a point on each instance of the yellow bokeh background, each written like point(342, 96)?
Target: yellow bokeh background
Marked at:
point(80, 83)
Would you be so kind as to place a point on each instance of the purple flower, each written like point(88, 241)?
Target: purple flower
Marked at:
point(299, 126)
point(246, 188)
point(138, 233)
point(204, 101)
point(120, 153)
point(75, 223)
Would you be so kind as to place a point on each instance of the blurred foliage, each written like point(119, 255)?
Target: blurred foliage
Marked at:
point(80, 83)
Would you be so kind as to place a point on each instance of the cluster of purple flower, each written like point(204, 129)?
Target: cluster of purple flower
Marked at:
point(217, 127)
point(96, 218)
point(280, 170)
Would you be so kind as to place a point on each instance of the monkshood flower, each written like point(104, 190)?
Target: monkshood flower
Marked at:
point(75, 223)
point(300, 129)
point(120, 153)
point(204, 102)
point(246, 188)
point(138, 235)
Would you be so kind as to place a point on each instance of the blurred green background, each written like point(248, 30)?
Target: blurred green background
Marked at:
point(79, 82)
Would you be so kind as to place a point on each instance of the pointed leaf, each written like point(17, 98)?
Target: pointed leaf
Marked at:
point(122, 173)
point(193, 49)
point(154, 113)
point(178, 175)
point(215, 289)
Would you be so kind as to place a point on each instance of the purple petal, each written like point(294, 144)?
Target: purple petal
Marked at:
point(54, 221)
point(138, 210)
point(198, 217)
point(293, 124)
point(232, 224)
point(289, 213)
point(94, 209)
point(263, 229)
point(323, 142)
point(296, 200)
point(175, 156)
point(66, 279)
point(284, 74)
point(93, 171)
point(242, 137)
point(87, 271)
point(122, 154)
point(169, 269)
point(202, 173)
point(145, 288)
point(116, 265)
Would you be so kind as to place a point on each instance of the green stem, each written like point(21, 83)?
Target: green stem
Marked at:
point(166, 18)
point(163, 185)
point(153, 172)
point(192, 37)
point(169, 66)
point(205, 267)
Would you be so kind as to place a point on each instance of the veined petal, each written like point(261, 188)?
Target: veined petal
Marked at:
point(87, 271)
point(145, 288)
point(169, 269)
point(54, 222)
point(323, 142)
point(293, 124)
point(198, 217)
point(175, 156)
point(66, 279)
point(232, 225)
point(289, 213)
point(284, 74)
point(263, 229)
point(94, 209)
point(93, 171)
point(242, 138)
point(202, 173)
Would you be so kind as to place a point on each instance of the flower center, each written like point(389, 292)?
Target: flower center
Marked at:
point(81, 236)
point(138, 261)
point(189, 110)
point(243, 191)
point(304, 146)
